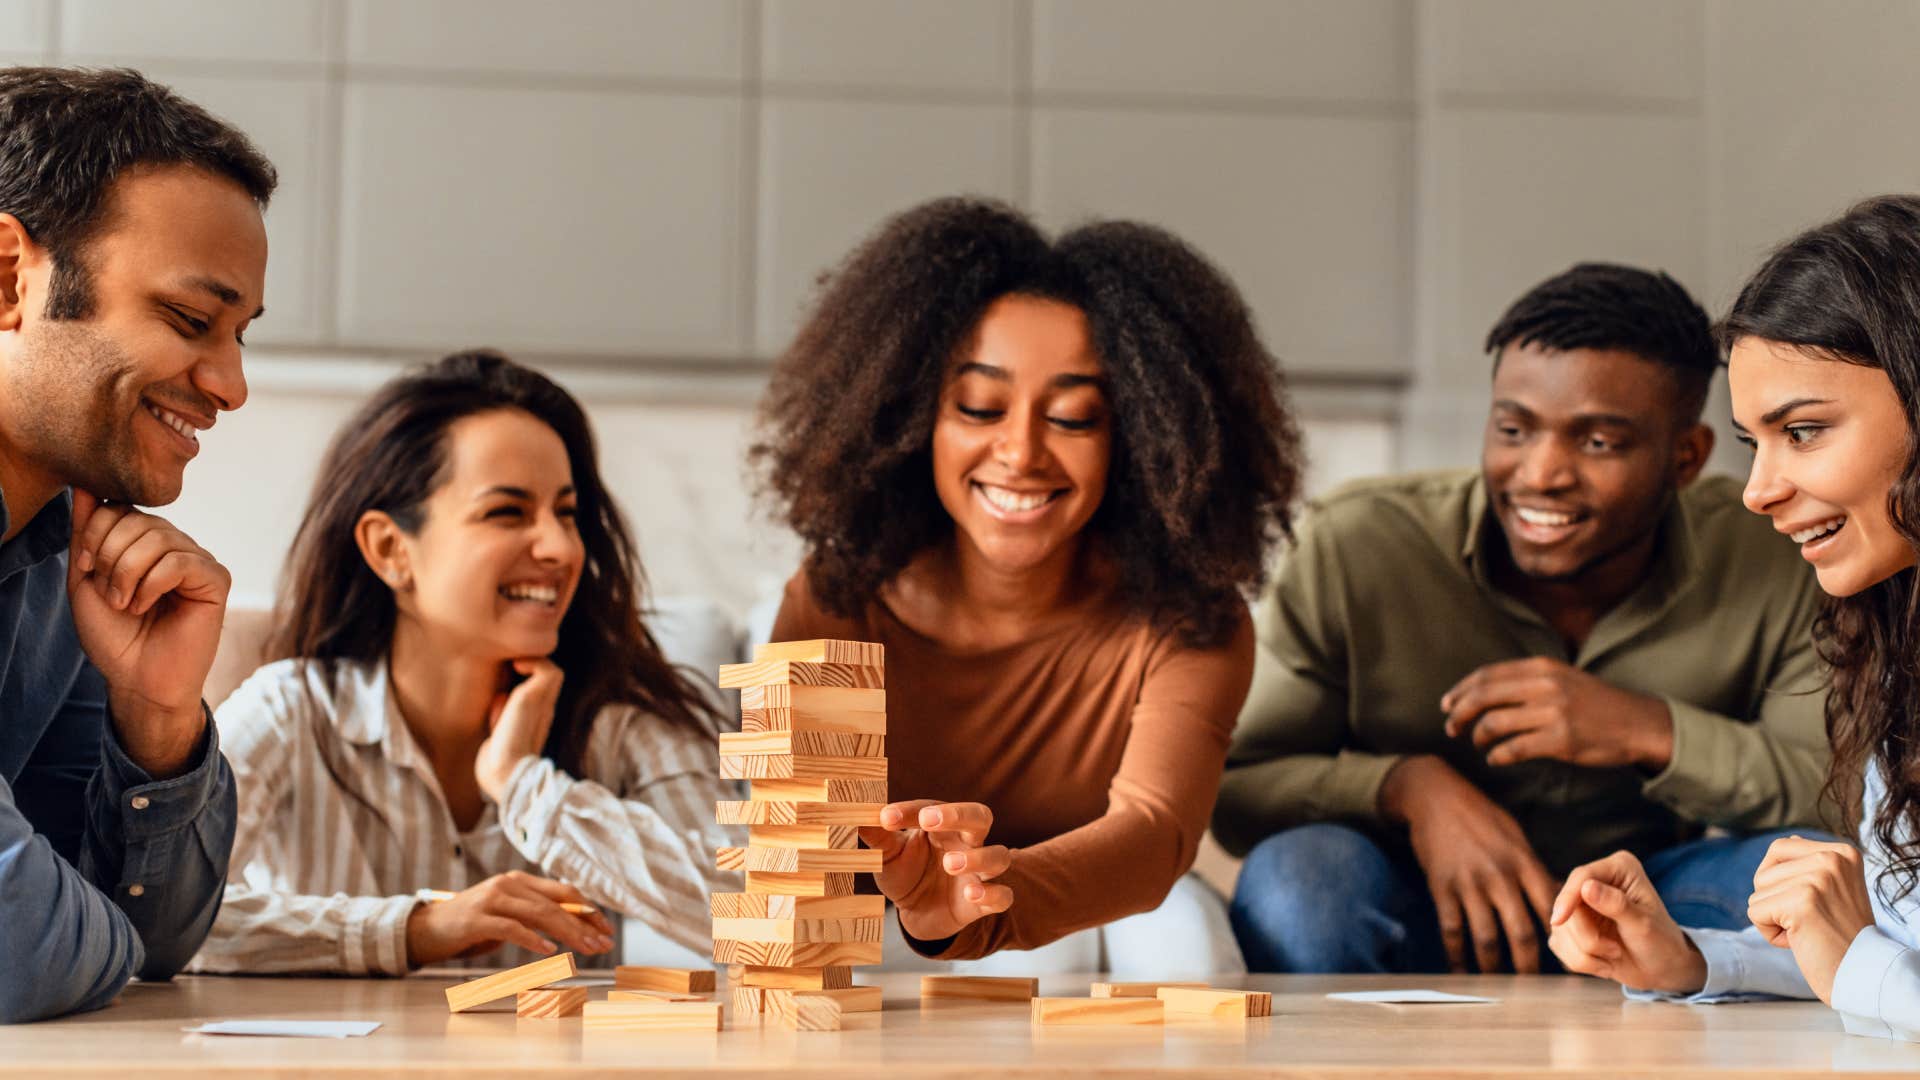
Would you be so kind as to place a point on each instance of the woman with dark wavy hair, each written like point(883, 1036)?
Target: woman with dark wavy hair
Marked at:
point(466, 701)
point(1045, 474)
point(1824, 365)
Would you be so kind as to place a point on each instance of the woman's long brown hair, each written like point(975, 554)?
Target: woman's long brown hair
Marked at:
point(391, 456)
point(1849, 291)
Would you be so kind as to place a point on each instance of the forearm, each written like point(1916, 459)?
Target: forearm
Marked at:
point(1258, 799)
point(262, 932)
point(1742, 776)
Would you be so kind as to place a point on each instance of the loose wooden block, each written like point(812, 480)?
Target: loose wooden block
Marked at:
point(978, 987)
point(801, 673)
point(821, 1010)
point(796, 953)
point(1210, 1003)
point(797, 929)
point(652, 1016)
point(804, 837)
point(781, 884)
point(814, 718)
point(824, 651)
point(1139, 989)
point(1098, 1011)
point(769, 789)
point(837, 977)
point(1259, 1002)
point(799, 860)
point(801, 767)
point(652, 995)
point(798, 813)
point(804, 743)
point(549, 1002)
point(505, 984)
point(768, 906)
point(675, 980)
point(815, 700)
point(748, 1001)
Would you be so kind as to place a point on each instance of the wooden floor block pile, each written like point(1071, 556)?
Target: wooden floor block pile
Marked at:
point(1153, 1003)
point(643, 999)
point(812, 745)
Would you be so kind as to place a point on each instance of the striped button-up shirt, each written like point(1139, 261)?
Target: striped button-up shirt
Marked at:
point(342, 820)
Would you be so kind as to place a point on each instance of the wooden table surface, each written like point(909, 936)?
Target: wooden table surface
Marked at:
point(1542, 1026)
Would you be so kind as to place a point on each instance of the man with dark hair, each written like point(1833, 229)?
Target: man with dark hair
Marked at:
point(132, 258)
point(1471, 682)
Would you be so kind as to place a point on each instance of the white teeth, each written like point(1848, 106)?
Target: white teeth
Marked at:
point(1014, 502)
point(1818, 531)
point(544, 594)
point(1543, 517)
point(172, 420)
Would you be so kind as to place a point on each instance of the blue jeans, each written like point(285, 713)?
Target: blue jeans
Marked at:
point(1328, 899)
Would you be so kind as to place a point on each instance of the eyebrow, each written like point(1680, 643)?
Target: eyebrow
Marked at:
point(1583, 419)
point(1064, 381)
point(512, 492)
point(222, 292)
point(1780, 413)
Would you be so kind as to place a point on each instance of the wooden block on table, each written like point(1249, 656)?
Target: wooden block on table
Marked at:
point(797, 813)
point(824, 651)
point(505, 984)
point(768, 789)
point(652, 1016)
point(803, 743)
point(1212, 1004)
point(549, 1002)
point(814, 718)
point(769, 906)
point(748, 1000)
point(836, 977)
point(1259, 1002)
point(799, 860)
point(653, 995)
point(1053, 1010)
point(674, 980)
point(978, 987)
point(801, 767)
point(782, 884)
point(801, 673)
point(821, 1010)
point(816, 700)
point(797, 929)
point(796, 953)
point(1139, 989)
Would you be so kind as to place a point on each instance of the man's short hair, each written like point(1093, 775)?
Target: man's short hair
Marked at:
point(66, 134)
point(1607, 306)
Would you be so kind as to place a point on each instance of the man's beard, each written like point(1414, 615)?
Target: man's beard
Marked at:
point(73, 421)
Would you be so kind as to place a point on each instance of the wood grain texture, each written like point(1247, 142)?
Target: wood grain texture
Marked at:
point(814, 700)
point(801, 767)
point(803, 743)
point(747, 1001)
point(767, 906)
point(797, 813)
point(653, 995)
point(1212, 1004)
point(801, 673)
point(796, 954)
point(831, 977)
point(675, 980)
point(863, 792)
point(1101, 1011)
point(813, 718)
point(1138, 989)
point(979, 987)
point(505, 984)
point(824, 651)
point(821, 1010)
point(549, 1002)
point(804, 837)
point(799, 860)
point(651, 1016)
point(782, 884)
point(797, 929)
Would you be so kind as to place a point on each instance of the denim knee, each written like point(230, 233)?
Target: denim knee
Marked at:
point(1311, 899)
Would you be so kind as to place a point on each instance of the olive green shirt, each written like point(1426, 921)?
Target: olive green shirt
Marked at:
point(1384, 603)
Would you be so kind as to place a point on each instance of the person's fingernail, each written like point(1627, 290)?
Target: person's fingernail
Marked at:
point(930, 819)
point(954, 861)
point(85, 559)
point(113, 595)
point(601, 944)
point(546, 946)
point(976, 893)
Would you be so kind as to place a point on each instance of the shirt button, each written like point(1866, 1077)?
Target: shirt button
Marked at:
point(139, 802)
point(136, 890)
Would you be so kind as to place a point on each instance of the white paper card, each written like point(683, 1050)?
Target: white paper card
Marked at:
point(1412, 997)
point(309, 1029)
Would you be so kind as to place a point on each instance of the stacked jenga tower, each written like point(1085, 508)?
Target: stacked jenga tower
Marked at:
point(813, 743)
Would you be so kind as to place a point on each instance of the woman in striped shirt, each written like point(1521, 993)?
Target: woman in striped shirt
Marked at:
point(466, 700)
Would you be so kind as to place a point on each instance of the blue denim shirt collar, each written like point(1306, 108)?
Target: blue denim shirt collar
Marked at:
point(48, 534)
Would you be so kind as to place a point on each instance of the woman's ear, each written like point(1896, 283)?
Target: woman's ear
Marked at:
point(383, 544)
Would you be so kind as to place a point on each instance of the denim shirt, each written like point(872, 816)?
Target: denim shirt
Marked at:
point(1876, 990)
point(104, 873)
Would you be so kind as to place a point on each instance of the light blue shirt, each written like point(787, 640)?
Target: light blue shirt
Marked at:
point(1877, 989)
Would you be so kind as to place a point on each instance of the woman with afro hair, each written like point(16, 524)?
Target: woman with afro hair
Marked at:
point(1044, 474)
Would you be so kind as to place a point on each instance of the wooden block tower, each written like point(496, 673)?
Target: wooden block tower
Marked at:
point(813, 744)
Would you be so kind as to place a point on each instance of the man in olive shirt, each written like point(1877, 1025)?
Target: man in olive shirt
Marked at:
point(1471, 682)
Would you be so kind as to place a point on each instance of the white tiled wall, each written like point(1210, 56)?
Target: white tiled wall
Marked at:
point(640, 193)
